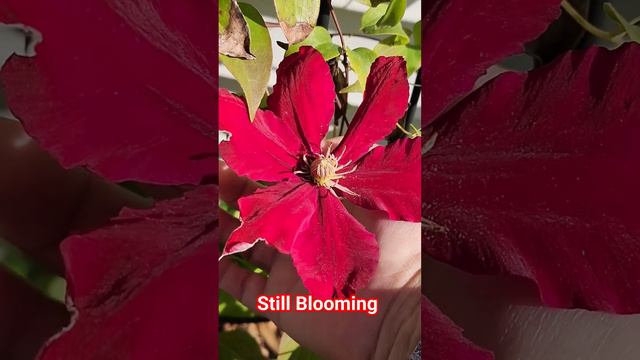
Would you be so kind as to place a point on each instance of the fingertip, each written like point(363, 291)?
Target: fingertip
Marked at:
point(241, 283)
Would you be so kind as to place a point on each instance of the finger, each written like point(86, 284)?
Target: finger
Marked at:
point(478, 304)
point(232, 186)
point(241, 283)
point(503, 314)
point(372, 220)
point(262, 256)
point(542, 333)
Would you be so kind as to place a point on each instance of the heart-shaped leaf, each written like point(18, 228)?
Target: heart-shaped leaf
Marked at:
point(297, 18)
point(253, 75)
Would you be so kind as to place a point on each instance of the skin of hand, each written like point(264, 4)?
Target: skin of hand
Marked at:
point(391, 334)
point(504, 314)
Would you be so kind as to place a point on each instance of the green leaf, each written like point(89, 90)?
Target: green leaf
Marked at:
point(319, 39)
point(411, 53)
point(384, 19)
point(245, 264)
point(394, 13)
point(223, 205)
point(291, 350)
point(360, 60)
point(297, 18)
point(253, 75)
point(230, 307)
point(416, 36)
point(233, 32)
point(353, 88)
point(238, 345)
point(632, 30)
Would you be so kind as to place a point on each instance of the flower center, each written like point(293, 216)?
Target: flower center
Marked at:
point(324, 170)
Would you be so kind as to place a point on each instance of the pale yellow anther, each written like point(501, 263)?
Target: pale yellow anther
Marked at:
point(325, 171)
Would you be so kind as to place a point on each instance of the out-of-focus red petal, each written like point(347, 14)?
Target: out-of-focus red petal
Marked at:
point(388, 179)
point(334, 254)
point(443, 339)
point(455, 56)
point(538, 176)
point(266, 149)
point(304, 95)
point(275, 215)
point(28, 318)
point(386, 98)
point(41, 203)
point(126, 88)
point(144, 286)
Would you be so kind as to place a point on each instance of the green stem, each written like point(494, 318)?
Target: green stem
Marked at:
point(589, 27)
point(619, 36)
point(414, 133)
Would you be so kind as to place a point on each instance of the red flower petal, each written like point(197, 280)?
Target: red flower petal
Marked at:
point(304, 96)
point(28, 318)
point(143, 286)
point(388, 179)
point(386, 97)
point(266, 149)
point(274, 215)
point(334, 254)
point(139, 108)
point(455, 56)
point(442, 339)
point(538, 177)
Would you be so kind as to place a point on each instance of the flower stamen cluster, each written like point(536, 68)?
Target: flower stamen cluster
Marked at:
point(325, 171)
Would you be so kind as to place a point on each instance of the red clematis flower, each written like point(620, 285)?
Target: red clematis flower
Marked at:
point(533, 175)
point(141, 108)
point(302, 214)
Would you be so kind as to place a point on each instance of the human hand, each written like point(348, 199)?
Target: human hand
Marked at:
point(391, 334)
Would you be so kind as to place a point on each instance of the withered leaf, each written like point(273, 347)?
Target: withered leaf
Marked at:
point(233, 38)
